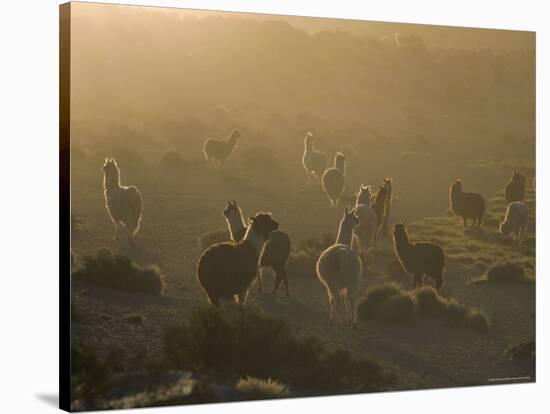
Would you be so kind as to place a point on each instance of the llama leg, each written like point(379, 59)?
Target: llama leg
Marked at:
point(278, 280)
point(242, 296)
point(464, 221)
point(347, 309)
point(115, 237)
point(331, 314)
point(260, 280)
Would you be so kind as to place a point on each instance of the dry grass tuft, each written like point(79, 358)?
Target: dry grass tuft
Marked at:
point(257, 389)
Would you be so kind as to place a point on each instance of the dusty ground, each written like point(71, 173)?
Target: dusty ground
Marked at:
point(426, 354)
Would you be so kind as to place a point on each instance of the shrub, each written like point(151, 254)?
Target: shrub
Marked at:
point(367, 308)
point(88, 374)
point(234, 342)
point(135, 318)
point(260, 159)
point(521, 351)
point(256, 389)
point(116, 271)
point(506, 273)
point(301, 265)
point(390, 303)
point(172, 160)
point(217, 236)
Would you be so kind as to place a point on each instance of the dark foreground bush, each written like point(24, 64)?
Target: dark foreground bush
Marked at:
point(523, 350)
point(116, 271)
point(88, 374)
point(387, 302)
point(217, 236)
point(233, 342)
point(506, 273)
point(390, 303)
point(258, 389)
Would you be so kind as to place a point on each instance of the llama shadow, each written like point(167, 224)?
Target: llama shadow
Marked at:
point(139, 254)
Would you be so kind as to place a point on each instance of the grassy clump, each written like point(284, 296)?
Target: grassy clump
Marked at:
point(257, 389)
point(390, 303)
point(301, 265)
point(521, 351)
point(88, 375)
point(135, 318)
point(506, 272)
point(217, 236)
point(116, 271)
point(387, 302)
point(302, 261)
point(233, 342)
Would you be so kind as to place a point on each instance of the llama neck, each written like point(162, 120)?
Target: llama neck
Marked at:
point(254, 239)
point(402, 246)
point(309, 146)
point(345, 235)
point(236, 224)
point(341, 166)
point(111, 182)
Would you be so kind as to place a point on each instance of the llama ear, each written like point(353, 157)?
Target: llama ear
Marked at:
point(234, 203)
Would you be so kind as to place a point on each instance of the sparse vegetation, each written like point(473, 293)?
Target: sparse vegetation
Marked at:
point(522, 350)
point(257, 389)
point(235, 342)
point(390, 303)
point(507, 272)
point(116, 271)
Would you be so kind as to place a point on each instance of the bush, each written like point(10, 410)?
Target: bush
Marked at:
point(256, 389)
point(116, 271)
point(390, 303)
point(506, 273)
point(521, 351)
point(301, 265)
point(172, 160)
point(234, 342)
point(260, 159)
point(88, 374)
point(213, 237)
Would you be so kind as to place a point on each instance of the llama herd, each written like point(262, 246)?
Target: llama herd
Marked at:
point(227, 270)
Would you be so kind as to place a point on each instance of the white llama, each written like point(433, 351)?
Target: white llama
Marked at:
point(123, 204)
point(340, 270)
point(334, 179)
point(314, 162)
point(366, 230)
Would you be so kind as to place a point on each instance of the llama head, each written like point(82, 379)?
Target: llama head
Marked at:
point(350, 220)
point(231, 209)
point(364, 195)
point(235, 135)
point(109, 166)
point(399, 232)
point(456, 187)
point(339, 160)
point(263, 224)
point(387, 183)
point(309, 138)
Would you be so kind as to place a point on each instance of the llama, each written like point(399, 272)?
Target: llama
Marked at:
point(515, 189)
point(216, 151)
point(235, 222)
point(366, 230)
point(124, 204)
point(226, 270)
point(467, 205)
point(419, 259)
point(515, 221)
point(340, 270)
point(275, 253)
point(382, 204)
point(334, 179)
point(314, 162)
